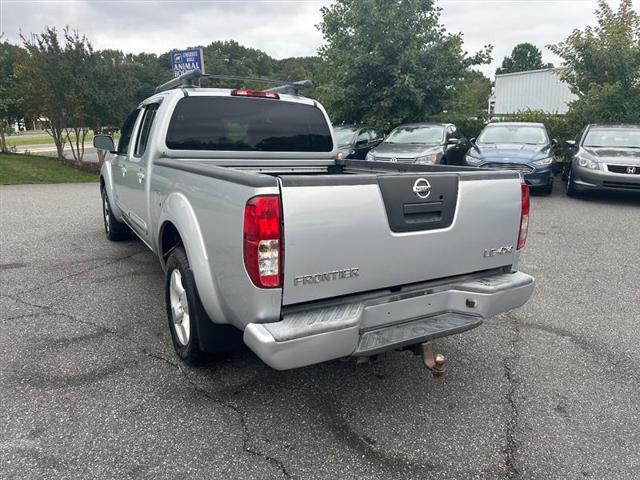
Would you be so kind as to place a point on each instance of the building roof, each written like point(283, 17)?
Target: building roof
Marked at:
point(525, 72)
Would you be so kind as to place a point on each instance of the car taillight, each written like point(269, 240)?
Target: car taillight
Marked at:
point(524, 215)
point(262, 244)
point(243, 92)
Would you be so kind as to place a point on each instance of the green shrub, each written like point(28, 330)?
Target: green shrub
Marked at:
point(470, 126)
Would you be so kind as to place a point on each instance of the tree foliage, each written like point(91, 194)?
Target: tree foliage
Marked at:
point(603, 66)
point(231, 58)
point(388, 61)
point(10, 97)
point(44, 75)
point(58, 76)
point(470, 94)
point(74, 87)
point(524, 57)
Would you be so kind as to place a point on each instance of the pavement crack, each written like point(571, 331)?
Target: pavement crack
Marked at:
point(242, 417)
point(509, 365)
point(47, 310)
point(81, 272)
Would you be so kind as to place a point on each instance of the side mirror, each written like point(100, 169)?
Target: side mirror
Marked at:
point(104, 142)
point(571, 144)
point(554, 142)
point(472, 140)
point(453, 141)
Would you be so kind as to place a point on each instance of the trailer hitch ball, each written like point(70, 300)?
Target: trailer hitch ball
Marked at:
point(435, 363)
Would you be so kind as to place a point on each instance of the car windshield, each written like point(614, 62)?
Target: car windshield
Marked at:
point(344, 135)
point(613, 137)
point(533, 135)
point(247, 124)
point(430, 135)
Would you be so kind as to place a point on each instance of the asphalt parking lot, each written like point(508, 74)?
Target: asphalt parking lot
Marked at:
point(90, 387)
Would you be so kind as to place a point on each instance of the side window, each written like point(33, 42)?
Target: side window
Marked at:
point(375, 136)
point(363, 135)
point(125, 132)
point(145, 129)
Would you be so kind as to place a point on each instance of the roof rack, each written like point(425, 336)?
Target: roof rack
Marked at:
point(192, 79)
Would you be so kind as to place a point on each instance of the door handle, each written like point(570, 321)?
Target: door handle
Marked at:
point(140, 176)
point(123, 169)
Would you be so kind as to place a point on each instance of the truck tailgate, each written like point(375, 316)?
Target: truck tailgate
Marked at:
point(350, 233)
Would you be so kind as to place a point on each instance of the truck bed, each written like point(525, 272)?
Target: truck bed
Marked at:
point(356, 226)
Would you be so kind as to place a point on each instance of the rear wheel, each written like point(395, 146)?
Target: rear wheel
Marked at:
point(187, 316)
point(113, 229)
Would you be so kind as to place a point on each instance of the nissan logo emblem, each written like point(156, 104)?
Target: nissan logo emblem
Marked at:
point(422, 188)
point(631, 170)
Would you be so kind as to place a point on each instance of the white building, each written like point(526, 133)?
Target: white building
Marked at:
point(533, 90)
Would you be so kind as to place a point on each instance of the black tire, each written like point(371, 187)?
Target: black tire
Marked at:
point(572, 190)
point(114, 230)
point(219, 338)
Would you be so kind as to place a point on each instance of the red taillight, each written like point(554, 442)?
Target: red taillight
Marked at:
point(243, 92)
point(263, 241)
point(524, 215)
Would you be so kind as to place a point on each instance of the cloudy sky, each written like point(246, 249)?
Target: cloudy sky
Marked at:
point(283, 28)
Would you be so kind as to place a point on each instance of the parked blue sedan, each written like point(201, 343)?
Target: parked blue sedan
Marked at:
point(521, 146)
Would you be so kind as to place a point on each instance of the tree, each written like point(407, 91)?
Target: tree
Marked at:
point(10, 98)
point(112, 93)
point(470, 94)
point(149, 70)
point(74, 87)
point(602, 66)
point(78, 58)
point(388, 62)
point(524, 57)
point(51, 76)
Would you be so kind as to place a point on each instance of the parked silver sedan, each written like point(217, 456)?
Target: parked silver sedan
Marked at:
point(605, 157)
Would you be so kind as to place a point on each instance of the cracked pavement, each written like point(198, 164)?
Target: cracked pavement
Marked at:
point(90, 387)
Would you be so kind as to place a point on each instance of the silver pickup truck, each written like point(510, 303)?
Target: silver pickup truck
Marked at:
point(265, 237)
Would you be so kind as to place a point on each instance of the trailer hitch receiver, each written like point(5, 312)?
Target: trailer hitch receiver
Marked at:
point(435, 363)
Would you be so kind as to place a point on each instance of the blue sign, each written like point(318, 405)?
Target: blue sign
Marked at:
point(183, 61)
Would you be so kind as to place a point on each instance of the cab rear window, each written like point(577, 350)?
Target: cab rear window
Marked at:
point(247, 124)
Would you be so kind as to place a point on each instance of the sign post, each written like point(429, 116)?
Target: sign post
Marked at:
point(183, 61)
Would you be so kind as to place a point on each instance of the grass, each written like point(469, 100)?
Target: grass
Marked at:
point(19, 169)
point(44, 139)
point(40, 139)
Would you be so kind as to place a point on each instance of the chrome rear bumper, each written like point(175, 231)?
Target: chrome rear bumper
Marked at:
point(373, 324)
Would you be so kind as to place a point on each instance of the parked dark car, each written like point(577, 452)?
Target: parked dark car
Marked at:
point(604, 157)
point(522, 146)
point(422, 143)
point(355, 141)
